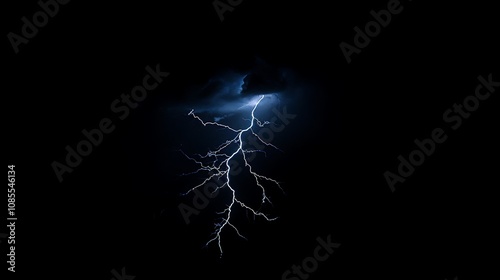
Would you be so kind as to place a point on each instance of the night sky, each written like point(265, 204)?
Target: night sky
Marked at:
point(347, 111)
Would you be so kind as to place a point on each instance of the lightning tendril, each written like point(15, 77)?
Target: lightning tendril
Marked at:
point(219, 167)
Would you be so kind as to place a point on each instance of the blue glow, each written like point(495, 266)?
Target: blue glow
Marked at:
point(242, 82)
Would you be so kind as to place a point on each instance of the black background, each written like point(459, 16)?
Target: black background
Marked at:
point(119, 207)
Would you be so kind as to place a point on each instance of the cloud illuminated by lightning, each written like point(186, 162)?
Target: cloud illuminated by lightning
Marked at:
point(219, 167)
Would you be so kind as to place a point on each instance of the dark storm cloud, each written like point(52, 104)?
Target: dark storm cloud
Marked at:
point(226, 93)
point(264, 79)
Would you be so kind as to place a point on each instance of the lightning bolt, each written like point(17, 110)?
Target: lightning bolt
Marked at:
point(219, 167)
